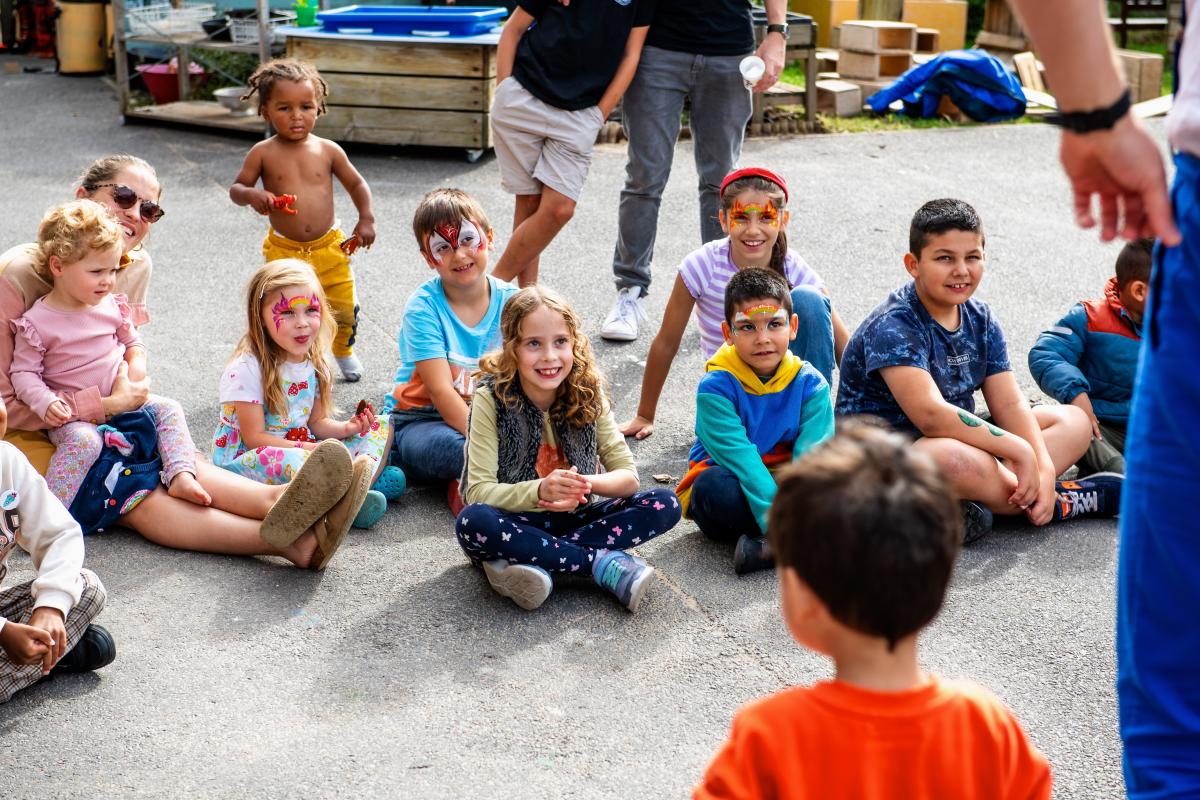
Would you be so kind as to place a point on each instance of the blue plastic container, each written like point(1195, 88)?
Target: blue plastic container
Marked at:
point(434, 21)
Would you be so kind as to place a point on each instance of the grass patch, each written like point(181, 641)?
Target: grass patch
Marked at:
point(869, 123)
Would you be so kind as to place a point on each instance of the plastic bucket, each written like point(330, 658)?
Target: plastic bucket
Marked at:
point(162, 80)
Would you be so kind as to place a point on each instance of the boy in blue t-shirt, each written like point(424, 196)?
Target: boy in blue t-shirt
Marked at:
point(758, 407)
point(449, 322)
point(917, 360)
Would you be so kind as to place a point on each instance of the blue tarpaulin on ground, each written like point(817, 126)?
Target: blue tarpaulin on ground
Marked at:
point(977, 82)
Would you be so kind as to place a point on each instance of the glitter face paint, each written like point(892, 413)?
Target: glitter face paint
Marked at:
point(767, 215)
point(286, 304)
point(446, 239)
point(747, 317)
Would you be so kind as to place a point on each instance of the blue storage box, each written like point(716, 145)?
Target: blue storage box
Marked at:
point(413, 20)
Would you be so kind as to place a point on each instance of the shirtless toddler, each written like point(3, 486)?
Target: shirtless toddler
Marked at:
point(297, 171)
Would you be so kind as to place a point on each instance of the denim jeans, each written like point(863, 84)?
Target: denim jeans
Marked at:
point(814, 336)
point(719, 508)
point(1158, 592)
point(428, 450)
point(652, 106)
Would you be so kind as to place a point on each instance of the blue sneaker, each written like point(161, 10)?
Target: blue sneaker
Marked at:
point(623, 575)
point(391, 483)
point(371, 510)
point(1097, 495)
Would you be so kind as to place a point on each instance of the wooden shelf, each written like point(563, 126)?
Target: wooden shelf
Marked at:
point(199, 112)
point(201, 42)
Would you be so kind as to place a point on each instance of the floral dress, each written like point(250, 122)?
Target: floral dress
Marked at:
point(242, 383)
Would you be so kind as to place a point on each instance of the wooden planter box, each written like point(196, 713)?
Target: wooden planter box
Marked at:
point(403, 92)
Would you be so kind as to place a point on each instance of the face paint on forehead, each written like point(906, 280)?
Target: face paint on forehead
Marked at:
point(448, 238)
point(285, 304)
point(767, 214)
point(771, 312)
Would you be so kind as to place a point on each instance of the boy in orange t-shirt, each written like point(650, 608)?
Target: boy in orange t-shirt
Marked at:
point(865, 532)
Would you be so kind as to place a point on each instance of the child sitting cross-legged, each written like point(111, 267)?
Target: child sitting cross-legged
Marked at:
point(917, 360)
point(541, 441)
point(758, 407)
point(1089, 358)
point(865, 531)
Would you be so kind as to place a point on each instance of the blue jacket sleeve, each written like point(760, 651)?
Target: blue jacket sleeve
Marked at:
point(720, 430)
point(816, 421)
point(1054, 359)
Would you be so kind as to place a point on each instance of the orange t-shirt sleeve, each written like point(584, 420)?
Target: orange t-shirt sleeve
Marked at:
point(739, 769)
point(1029, 771)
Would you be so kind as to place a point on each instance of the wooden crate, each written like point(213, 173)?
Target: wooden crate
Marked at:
point(872, 66)
point(948, 17)
point(839, 98)
point(876, 36)
point(396, 58)
point(408, 91)
point(929, 40)
point(867, 88)
point(827, 14)
point(1144, 72)
point(407, 126)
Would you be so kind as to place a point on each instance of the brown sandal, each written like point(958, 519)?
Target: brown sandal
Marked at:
point(321, 481)
point(331, 530)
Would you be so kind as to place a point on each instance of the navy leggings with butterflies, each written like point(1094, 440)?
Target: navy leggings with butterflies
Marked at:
point(565, 541)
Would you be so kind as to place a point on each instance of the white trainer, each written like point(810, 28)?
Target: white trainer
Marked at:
point(527, 585)
point(351, 367)
point(621, 324)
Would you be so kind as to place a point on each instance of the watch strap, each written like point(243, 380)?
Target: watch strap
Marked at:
point(1101, 119)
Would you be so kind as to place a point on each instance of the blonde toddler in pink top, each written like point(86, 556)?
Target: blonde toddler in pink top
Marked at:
point(80, 336)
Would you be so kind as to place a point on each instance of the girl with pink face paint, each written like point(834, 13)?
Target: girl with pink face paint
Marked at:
point(276, 394)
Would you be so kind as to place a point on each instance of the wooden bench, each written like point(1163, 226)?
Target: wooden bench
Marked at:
point(1127, 22)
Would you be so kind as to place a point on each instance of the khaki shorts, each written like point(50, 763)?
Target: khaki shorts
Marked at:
point(540, 145)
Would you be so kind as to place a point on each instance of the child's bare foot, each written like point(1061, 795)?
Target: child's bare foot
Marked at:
point(185, 487)
point(301, 551)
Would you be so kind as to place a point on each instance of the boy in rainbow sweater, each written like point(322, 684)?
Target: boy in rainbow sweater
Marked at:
point(758, 406)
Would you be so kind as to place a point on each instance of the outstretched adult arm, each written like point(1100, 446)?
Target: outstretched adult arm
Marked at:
point(1121, 166)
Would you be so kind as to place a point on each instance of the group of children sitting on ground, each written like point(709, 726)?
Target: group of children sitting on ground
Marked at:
point(498, 396)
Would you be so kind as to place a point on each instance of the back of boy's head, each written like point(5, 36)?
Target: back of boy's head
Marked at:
point(1133, 262)
point(446, 207)
point(869, 523)
point(755, 283)
point(71, 230)
point(937, 217)
point(263, 80)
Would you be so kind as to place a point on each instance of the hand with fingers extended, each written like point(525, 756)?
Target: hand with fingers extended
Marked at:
point(563, 490)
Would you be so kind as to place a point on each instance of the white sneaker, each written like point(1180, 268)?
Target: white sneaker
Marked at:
point(527, 585)
point(351, 367)
point(621, 324)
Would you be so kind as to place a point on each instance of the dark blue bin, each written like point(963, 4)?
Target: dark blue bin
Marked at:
point(414, 20)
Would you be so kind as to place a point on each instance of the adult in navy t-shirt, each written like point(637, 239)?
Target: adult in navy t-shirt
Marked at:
point(570, 55)
point(901, 333)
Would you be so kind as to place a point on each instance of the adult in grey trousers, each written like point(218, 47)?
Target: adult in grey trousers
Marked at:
point(693, 51)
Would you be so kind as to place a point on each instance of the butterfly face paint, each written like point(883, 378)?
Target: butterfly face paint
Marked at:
point(741, 214)
point(296, 304)
point(446, 239)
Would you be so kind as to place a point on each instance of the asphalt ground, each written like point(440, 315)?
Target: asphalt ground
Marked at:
point(398, 672)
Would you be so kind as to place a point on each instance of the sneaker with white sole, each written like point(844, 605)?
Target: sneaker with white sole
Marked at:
point(625, 576)
point(528, 586)
point(621, 324)
point(351, 367)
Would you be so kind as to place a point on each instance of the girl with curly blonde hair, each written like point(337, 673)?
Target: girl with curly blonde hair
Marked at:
point(541, 442)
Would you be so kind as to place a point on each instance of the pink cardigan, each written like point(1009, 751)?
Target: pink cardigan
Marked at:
point(62, 352)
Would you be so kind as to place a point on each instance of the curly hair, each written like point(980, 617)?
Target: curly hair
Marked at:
point(267, 75)
point(70, 231)
point(774, 193)
point(276, 275)
point(581, 398)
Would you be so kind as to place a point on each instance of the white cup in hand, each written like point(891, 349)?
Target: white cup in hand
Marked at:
point(752, 68)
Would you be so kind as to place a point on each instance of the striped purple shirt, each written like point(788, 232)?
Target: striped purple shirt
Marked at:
point(707, 270)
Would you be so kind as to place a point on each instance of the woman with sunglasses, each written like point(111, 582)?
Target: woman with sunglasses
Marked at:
point(244, 514)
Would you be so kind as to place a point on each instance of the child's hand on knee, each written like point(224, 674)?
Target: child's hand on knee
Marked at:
point(1042, 510)
point(1028, 481)
point(57, 414)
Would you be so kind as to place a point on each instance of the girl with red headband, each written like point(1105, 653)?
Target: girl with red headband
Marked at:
point(754, 216)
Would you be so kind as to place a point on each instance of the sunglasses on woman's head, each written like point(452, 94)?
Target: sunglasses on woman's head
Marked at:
point(125, 197)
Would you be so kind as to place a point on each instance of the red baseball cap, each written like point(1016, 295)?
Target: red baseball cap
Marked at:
point(755, 172)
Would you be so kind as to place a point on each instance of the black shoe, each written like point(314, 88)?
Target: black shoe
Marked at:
point(95, 650)
point(752, 554)
point(1096, 495)
point(977, 521)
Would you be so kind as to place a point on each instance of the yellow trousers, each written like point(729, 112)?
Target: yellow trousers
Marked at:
point(34, 444)
point(332, 266)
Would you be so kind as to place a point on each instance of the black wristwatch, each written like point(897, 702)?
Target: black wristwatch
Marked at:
point(1102, 119)
point(778, 27)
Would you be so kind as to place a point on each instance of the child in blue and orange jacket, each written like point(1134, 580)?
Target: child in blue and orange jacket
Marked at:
point(758, 406)
point(1089, 358)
